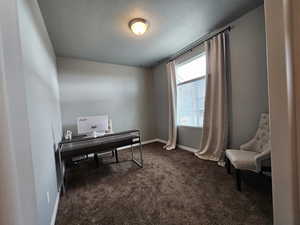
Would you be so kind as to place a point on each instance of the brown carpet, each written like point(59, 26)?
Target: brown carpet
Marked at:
point(173, 188)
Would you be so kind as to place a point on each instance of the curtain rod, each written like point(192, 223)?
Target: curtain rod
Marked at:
point(198, 42)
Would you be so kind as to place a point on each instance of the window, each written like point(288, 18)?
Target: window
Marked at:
point(190, 78)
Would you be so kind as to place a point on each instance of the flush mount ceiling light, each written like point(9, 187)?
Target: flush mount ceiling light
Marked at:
point(138, 26)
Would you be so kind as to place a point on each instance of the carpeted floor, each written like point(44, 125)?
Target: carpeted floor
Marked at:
point(173, 188)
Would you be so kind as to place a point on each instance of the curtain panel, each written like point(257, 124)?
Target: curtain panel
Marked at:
point(172, 97)
point(215, 124)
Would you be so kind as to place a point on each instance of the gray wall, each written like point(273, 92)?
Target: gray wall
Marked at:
point(123, 93)
point(42, 103)
point(248, 84)
point(248, 75)
point(161, 101)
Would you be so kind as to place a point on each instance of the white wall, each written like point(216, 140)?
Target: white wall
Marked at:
point(17, 189)
point(248, 84)
point(42, 104)
point(293, 34)
point(124, 93)
point(283, 75)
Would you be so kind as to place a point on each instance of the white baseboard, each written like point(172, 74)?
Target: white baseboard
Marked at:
point(190, 149)
point(143, 143)
point(161, 141)
point(149, 141)
point(53, 218)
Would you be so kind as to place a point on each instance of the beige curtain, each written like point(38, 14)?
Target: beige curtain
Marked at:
point(172, 97)
point(215, 124)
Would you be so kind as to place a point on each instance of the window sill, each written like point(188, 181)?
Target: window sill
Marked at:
point(186, 126)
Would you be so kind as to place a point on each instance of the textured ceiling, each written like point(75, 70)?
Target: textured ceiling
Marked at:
point(98, 29)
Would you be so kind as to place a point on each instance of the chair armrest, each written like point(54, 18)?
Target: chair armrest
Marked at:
point(259, 158)
point(248, 146)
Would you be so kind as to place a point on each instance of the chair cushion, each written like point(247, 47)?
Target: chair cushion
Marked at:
point(240, 159)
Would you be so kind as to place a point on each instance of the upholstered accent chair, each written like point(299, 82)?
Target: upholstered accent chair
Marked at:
point(254, 155)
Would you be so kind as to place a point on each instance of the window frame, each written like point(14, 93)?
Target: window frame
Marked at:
point(190, 81)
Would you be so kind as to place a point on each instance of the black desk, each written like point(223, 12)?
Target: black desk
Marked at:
point(84, 145)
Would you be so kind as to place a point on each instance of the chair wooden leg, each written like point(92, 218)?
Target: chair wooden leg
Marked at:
point(228, 165)
point(238, 180)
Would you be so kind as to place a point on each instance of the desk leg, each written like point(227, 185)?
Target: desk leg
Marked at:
point(63, 187)
point(140, 162)
point(96, 159)
point(64, 183)
point(62, 173)
point(141, 155)
point(117, 157)
point(132, 156)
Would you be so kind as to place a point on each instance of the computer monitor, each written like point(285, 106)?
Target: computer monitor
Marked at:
point(89, 124)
